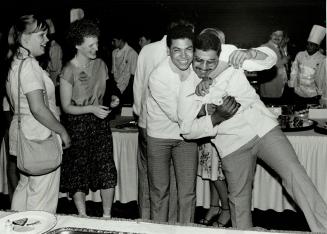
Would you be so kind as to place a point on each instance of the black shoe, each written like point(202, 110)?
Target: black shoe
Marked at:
point(225, 224)
point(210, 221)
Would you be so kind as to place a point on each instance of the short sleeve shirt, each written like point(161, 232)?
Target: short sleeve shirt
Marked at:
point(88, 83)
point(32, 78)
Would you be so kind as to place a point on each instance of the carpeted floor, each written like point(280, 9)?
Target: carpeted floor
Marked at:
point(271, 220)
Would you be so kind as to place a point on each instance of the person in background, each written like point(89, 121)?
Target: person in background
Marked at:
point(54, 64)
point(273, 81)
point(37, 119)
point(144, 39)
point(11, 161)
point(89, 163)
point(321, 80)
point(304, 68)
point(251, 133)
point(11, 178)
point(124, 59)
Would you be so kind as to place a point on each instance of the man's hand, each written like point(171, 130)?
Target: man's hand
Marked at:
point(237, 57)
point(203, 87)
point(114, 101)
point(225, 111)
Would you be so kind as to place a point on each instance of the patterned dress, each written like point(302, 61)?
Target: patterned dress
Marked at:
point(209, 166)
point(88, 163)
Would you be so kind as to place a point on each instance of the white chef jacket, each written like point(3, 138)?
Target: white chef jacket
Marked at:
point(303, 71)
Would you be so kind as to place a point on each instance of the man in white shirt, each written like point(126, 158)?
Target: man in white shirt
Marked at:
point(251, 133)
point(124, 59)
point(304, 68)
point(164, 143)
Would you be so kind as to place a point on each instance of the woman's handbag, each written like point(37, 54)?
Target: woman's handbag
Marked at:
point(36, 157)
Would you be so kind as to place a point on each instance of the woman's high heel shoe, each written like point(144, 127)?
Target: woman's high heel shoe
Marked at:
point(212, 219)
point(223, 223)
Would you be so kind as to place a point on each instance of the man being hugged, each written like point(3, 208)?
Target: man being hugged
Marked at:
point(251, 133)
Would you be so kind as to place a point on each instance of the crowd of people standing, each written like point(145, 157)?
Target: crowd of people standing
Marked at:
point(197, 114)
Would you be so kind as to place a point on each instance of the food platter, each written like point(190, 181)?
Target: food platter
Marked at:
point(129, 125)
point(321, 128)
point(28, 222)
point(295, 124)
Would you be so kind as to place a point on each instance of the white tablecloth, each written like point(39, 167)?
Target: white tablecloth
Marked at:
point(125, 148)
point(310, 147)
point(268, 193)
point(135, 226)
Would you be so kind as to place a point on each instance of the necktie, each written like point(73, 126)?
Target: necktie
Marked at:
point(282, 55)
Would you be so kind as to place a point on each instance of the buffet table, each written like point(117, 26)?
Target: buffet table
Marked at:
point(125, 147)
point(127, 226)
point(311, 148)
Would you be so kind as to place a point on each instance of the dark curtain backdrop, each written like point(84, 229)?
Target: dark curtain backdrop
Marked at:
point(246, 23)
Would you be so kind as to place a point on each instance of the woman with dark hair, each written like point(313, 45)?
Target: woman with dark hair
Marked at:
point(38, 119)
point(89, 163)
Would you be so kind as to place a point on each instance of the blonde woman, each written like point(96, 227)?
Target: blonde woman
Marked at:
point(29, 37)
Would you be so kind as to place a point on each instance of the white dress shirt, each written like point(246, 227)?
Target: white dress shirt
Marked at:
point(123, 65)
point(150, 56)
point(154, 53)
point(162, 121)
point(252, 119)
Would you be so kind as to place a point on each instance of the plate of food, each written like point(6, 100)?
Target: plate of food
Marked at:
point(28, 222)
point(321, 127)
point(129, 125)
point(290, 123)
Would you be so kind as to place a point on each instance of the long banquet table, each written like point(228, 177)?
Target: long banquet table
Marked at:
point(125, 147)
point(132, 226)
point(311, 148)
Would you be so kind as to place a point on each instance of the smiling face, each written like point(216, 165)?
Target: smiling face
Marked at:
point(277, 37)
point(181, 53)
point(35, 42)
point(204, 62)
point(88, 48)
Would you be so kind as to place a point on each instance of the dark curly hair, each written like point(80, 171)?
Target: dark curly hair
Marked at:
point(208, 41)
point(80, 29)
point(179, 32)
